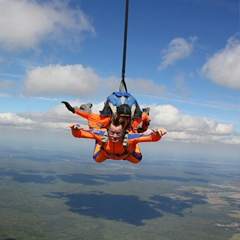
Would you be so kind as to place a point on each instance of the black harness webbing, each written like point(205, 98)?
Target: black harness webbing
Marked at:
point(123, 85)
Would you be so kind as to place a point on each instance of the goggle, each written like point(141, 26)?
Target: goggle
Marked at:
point(124, 116)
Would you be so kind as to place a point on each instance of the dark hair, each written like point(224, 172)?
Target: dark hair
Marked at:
point(117, 121)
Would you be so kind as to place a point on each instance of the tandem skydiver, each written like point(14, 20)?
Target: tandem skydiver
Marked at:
point(98, 121)
point(115, 143)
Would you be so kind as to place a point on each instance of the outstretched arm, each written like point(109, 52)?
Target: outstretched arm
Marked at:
point(154, 136)
point(80, 132)
point(77, 111)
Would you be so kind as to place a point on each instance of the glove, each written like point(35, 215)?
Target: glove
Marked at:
point(69, 107)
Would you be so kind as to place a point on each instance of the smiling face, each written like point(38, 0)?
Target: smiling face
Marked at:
point(115, 133)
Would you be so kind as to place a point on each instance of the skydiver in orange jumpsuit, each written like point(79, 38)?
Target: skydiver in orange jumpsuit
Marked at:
point(98, 121)
point(114, 143)
point(95, 120)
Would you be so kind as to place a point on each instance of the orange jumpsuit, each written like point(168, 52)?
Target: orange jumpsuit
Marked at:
point(116, 150)
point(98, 121)
point(95, 120)
point(141, 123)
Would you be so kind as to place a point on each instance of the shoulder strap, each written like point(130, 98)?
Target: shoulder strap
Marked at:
point(125, 140)
point(104, 138)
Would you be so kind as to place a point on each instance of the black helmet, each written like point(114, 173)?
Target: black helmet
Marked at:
point(124, 109)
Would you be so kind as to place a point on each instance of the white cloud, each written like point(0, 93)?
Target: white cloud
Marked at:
point(224, 129)
point(37, 121)
point(183, 136)
point(234, 141)
point(24, 23)
point(56, 80)
point(224, 66)
point(9, 119)
point(190, 128)
point(204, 126)
point(145, 86)
point(164, 115)
point(138, 85)
point(177, 49)
point(76, 80)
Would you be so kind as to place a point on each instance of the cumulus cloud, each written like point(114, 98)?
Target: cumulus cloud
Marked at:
point(145, 86)
point(24, 23)
point(224, 66)
point(204, 126)
point(234, 141)
point(56, 80)
point(37, 121)
point(190, 128)
point(164, 115)
point(77, 80)
point(138, 85)
point(177, 49)
point(9, 119)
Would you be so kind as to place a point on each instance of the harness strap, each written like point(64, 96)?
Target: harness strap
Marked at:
point(125, 140)
point(122, 99)
point(133, 109)
point(104, 138)
point(112, 107)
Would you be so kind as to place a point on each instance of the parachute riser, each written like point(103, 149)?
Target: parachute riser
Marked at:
point(123, 86)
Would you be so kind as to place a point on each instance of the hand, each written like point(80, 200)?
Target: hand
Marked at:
point(160, 131)
point(75, 127)
point(69, 107)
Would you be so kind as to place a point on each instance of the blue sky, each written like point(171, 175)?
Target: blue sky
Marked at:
point(183, 60)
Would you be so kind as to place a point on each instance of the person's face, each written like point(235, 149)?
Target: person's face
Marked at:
point(115, 133)
point(126, 117)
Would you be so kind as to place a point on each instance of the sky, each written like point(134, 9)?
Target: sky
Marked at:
point(183, 61)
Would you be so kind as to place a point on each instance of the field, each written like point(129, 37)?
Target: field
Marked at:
point(49, 195)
